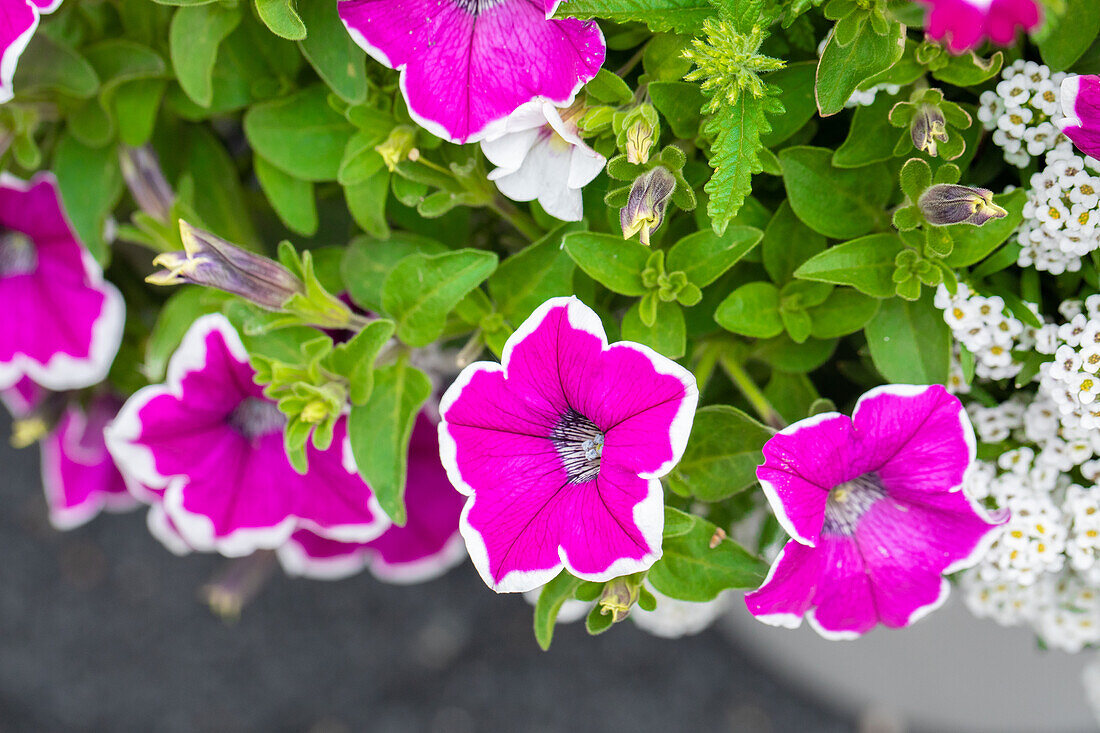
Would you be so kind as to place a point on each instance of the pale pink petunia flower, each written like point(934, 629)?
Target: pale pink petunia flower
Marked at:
point(966, 24)
point(876, 513)
point(541, 156)
point(213, 444)
point(62, 321)
point(560, 449)
point(467, 63)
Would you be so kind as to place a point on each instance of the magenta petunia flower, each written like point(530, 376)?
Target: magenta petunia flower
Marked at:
point(426, 547)
point(874, 507)
point(214, 444)
point(965, 24)
point(465, 64)
point(62, 322)
point(560, 449)
point(78, 473)
point(20, 19)
point(1081, 107)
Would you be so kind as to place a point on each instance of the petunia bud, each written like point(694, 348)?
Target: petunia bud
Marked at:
point(947, 203)
point(398, 147)
point(141, 171)
point(211, 261)
point(619, 595)
point(639, 140)
point(927, 127)
point(645, 206)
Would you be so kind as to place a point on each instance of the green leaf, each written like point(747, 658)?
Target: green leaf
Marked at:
point(841, 203)
point(734, 156)
point(787, 244)
point(175, 317)
point(367, 203)
point(302, 134)
point(533, 275)
point(667, 335)
point(1067, 36)
point(784, 354)
point(843, 68)
point(282, 18)
point(332, 52)
point(47, 65)
point(974, 243)
point(423, 289)
point(679, 103)
point(751, 310)
point(193, 40)
point(677, 522)
point(871, 137)
point(969, 69)
point(682, 16)
point(722, 454)
point(135, 109)
point(691, 570)
point(354, 359)
point(553, 595)
point(615, 263)
point(867, 264)
point(222, 206)
point(845, 311)
point(606, 87)
point(380, 429)
point(90, 184)
point(705, 256)
point(598, 621)
point(796, 85)
point(367, 262)
point(909, 341)
point(292, 198)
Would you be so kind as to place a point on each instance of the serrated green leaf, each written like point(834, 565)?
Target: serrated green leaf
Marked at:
point(735, 157)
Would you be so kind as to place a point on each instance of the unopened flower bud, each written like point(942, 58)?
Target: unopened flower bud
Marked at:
point(398, 147)
point(618, 597)
point(947, 203)
point(238, 583)
point(315, 412)
point(645, 206)
point(211, 261)
point(927, 127)
point(151, 191)
point(639, 141)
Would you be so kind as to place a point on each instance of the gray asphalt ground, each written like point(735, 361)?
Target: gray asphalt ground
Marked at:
point(101, 630)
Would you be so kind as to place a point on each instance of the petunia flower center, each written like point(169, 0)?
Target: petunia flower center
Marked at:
point(18, 255)
point(849, 501)
point(255, 417)
point(579, 443)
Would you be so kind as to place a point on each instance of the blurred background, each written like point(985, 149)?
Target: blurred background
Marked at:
point(102, 629)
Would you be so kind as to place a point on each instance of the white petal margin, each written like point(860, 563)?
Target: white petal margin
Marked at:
point(161, 527)
point(134, 460)
point(297, 562)
point(648, 514)
point(62, 371)
point(63, 443)
point(10, 58)
point(1071, 87)
point(430, 125)
point(913, 390)
point(784, 620)
point(772, 495)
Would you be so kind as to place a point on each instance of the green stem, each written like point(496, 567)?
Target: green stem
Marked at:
point(752, 392)
point(520, 220)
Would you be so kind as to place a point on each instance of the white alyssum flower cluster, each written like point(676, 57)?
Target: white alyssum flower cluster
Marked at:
point(866, 97)
point(1062, 212)
point(1043, 569)
point(1022, 110)
point(1071, 381)
point(984, 327)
